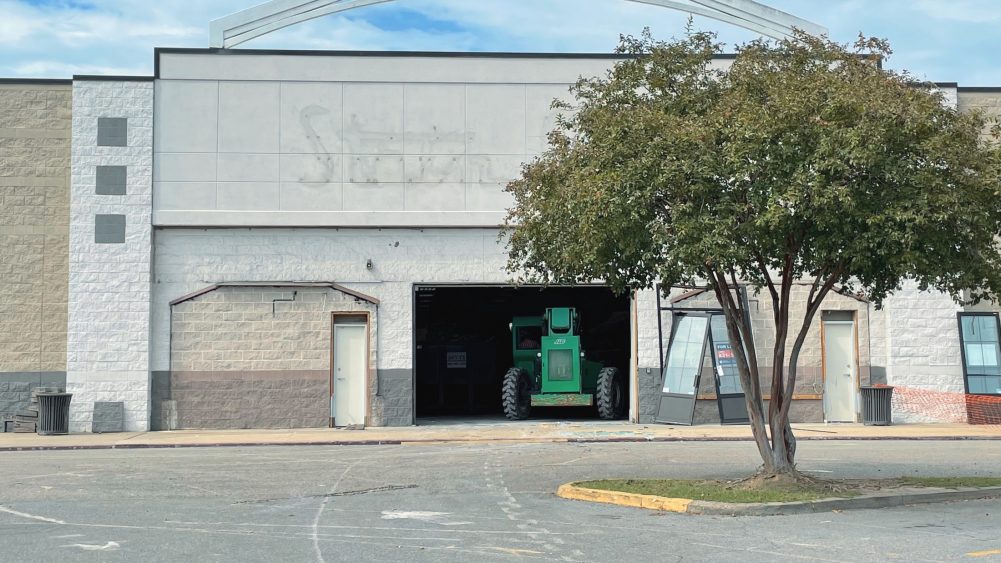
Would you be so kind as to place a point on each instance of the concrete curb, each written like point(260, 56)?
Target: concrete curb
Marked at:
point(689, 506)
point(651, 502)
point(401, 442)
point(37, 448)
point(465, 440)
point(798, 438)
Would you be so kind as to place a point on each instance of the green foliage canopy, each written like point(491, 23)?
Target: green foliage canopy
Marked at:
point(803, 159)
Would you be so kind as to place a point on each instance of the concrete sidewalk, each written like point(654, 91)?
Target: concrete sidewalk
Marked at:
point(473, 432)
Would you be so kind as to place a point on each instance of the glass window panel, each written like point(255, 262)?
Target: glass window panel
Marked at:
point(719, 328)
point(977, 384)
point(685, 356)
point(989, 355)
point(974, 357)
point(988, 328)
point(730, 384)
point(981, 353)
point(993, 384)
point(988, 370)
point(967, 322)
point(529, 337)
point(560, 365)
point(985, 384)
point(726, 364)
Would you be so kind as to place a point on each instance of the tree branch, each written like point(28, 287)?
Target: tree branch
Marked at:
point(747, 372)
point(813, 305)
point(768, 280)
point(748, 334)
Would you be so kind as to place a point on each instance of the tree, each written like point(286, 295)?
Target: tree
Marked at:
point(805, 160)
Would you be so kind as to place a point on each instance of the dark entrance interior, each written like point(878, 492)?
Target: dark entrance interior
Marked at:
point(463, 343)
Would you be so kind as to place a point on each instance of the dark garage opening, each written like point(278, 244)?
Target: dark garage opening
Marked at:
point(463, 343)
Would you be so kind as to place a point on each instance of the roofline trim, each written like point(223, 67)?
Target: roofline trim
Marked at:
point(329, 285)
point(112, 78)
point(391, 54)
point(369, 53)
point(974, 89)
point(53, 81)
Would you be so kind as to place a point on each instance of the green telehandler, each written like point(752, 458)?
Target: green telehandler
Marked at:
point(551, 369)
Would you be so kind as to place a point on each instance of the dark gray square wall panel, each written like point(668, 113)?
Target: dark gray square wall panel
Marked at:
point(111, 180)
point(109, 229)
point(109, 416)
point(112, 132)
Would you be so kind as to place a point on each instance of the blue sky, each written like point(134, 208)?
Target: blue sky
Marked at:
point(941, 40)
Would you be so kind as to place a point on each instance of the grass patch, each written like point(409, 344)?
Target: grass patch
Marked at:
point(951, 482)
point(779, 489)
point(717, 491)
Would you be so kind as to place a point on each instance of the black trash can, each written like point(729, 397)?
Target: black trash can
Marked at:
point(876, 406)
point(54, 413)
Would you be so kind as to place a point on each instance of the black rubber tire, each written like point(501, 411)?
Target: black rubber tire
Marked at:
point(610, 399)
point(516, 394)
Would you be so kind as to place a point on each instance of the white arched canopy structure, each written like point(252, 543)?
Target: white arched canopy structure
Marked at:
point(245, 25)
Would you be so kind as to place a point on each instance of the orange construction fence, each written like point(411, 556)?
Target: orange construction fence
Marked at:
point(945, 406)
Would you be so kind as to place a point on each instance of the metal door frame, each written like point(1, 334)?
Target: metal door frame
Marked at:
point(366, 383)
point(710, 311)
point(746, 419)
point(698, 375)
point(856, 369)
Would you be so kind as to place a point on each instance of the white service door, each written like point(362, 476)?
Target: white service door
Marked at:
point(839, 371)
point(349, 375)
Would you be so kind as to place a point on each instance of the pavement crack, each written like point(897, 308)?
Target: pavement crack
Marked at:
point(381, 489)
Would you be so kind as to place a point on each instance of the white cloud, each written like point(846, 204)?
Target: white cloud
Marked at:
point(966, 11)
point(17, 23)
point(57, 68)
point(58, 38)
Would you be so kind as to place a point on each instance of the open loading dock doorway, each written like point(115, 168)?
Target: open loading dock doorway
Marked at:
point(463, 343)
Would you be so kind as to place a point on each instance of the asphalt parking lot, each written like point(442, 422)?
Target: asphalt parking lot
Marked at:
point(463, 502)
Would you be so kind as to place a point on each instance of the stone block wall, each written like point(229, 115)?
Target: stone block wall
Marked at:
point(987, 100)
point(809, 379)
point(107, 355)
point(258, 357)
point(647, 380)
point(35, 131)
point(395, 403)
point(190, 259)
point(912, 342)
point(809, 385)
point(922, 335)
point(16, 388)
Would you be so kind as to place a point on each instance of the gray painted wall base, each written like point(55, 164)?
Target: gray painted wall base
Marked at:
point(395, 404)
point(649, 393)
point(16, 387)
point(160, 418)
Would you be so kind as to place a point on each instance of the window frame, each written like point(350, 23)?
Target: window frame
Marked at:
point(962, 348)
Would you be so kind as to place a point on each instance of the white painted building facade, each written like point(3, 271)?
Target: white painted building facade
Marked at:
point(379, 172)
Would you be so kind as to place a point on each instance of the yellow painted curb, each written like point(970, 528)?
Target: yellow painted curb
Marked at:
point(651, 502)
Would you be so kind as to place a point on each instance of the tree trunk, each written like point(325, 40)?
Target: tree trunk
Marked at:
point(776, 443)
point(747, 368)
point(783, 445)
